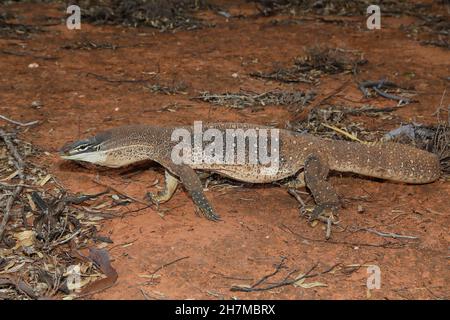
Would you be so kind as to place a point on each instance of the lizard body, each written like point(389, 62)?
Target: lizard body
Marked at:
point(299, 155)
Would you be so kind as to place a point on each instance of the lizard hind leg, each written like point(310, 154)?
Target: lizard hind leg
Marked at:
point(297, 182)
point(170, 186)
point(316, 172)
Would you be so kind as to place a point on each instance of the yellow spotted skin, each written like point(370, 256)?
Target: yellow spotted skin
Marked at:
point(302, 154)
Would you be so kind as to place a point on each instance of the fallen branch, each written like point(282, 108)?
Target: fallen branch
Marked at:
point(119, 192)
point(168, 264)
point(387, 234)
point(378, 85)
point(152, 275)
point(363, 86)
point(391, 96)
point(26, 54)
point(287, 280)
point(387, 245)
point(26, 124)
point(103, 78)
point(305, 112)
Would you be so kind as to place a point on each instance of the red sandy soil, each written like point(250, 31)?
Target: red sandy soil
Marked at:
point(260, 223)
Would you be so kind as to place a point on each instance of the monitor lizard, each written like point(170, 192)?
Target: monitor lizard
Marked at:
point(306, 158)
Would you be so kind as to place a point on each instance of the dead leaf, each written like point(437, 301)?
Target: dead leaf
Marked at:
point(12, 175)
point(45, 180)
point(301, 283)
point(101, 258)
point(310, 285)
point(149, 276)
point(25, 238)
point(31, 202)
point(246, 286)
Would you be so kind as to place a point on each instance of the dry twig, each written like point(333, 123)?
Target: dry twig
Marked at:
point(20, 166)
point(26, 124)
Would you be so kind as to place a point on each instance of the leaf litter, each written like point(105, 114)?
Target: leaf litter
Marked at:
point(46, 231)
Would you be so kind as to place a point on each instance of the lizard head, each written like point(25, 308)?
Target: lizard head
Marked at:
point(94, 149)
point(112, 148)
point(89, 150)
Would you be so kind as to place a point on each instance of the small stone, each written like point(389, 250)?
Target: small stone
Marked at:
point(36, 104)
point(360, 209)
point(235, 75)
point(33, 65)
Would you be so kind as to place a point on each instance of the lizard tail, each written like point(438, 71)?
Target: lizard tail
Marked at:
point(391, 161)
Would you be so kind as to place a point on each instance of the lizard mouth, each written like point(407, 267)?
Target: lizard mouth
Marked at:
point(96, 157)
point(66, 149)
point(79, 147)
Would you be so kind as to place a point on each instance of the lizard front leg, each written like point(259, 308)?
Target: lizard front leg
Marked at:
point(170, 185)
point(316, 172)
point(193, 185)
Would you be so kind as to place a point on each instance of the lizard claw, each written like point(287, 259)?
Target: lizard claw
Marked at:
point(209, 214)
point(319, 210)
point(153, 199)
point(204, 206)
point(213, 217)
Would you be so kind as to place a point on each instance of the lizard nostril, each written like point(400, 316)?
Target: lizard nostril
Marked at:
point(65, 148)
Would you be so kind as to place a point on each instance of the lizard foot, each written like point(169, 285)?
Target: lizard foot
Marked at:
point(204, 207)
point(296, 183)
point(208, 213)
point(320, 210)
point(153, 198)
point(193, 186)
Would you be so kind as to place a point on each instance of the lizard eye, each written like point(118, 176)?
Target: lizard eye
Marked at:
point(83, 147)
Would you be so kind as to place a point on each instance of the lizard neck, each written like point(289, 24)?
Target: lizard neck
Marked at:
point(128, 145)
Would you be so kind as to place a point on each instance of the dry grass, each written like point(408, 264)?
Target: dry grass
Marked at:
point(245, 99)
point(160, 14)
point(339, 7)
point(316, 62)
